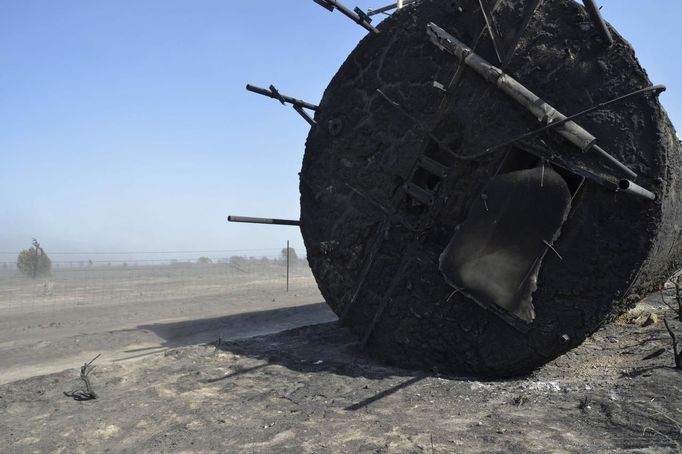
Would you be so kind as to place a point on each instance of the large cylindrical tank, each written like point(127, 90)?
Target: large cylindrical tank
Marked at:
point(417, 227)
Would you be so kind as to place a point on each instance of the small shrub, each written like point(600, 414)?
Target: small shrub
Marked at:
point(34, 262)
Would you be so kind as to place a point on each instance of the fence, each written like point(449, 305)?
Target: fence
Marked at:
point(156, 281)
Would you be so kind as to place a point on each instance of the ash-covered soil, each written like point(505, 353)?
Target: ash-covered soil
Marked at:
point(312, 389)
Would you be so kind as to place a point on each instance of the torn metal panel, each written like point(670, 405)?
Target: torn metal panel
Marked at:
point(495, 255)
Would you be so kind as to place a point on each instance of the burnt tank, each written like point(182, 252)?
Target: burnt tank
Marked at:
point(485, 183)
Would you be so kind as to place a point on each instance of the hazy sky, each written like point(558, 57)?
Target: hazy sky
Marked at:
point(124, 125)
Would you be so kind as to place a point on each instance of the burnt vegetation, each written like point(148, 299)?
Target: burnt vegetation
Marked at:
point(676, 308)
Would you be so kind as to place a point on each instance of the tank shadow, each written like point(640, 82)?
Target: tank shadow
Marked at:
point(324, 348)
point(237, 326)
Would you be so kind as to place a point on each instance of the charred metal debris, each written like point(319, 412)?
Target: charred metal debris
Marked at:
point(501, 240)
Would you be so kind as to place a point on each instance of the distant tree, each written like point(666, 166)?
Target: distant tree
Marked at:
point(204, 261)
point(237, 260)
point(34, 262)
point(89, 263)
point(4, 266)
point(239, 263)
point(292, 254)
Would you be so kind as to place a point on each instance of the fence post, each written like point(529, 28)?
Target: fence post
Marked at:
point(287, 265)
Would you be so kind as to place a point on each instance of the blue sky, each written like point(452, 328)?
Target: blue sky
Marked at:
point(124, 125)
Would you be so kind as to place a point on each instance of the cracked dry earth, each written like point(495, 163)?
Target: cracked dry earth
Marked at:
point(311, 389)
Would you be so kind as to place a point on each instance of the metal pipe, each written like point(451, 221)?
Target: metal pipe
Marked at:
point(611, 184)
point(544, 112)
point(274, 94)
point(598, 20)
point(331, 4)
point(311, 121)
point(654, 88)
point(614, 161)
point(536, 106)
point(634, 189)
point(383, 9)
point(250, 220)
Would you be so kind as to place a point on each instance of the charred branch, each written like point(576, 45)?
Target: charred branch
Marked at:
point(677, 354)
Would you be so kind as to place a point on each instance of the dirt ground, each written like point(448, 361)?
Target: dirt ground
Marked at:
point(52, 324)
point(311, 389)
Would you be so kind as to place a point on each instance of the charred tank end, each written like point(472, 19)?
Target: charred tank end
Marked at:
point(490, 221)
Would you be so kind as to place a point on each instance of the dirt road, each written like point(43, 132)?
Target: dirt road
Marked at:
point(125, 314)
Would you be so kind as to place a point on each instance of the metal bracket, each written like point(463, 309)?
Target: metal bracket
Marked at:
point(297, 104)
point(305, 115)
point(362, 15)
point(595, 15)
point(439, 86)
point(330, 5)
point(398, 5)
point(277, 95)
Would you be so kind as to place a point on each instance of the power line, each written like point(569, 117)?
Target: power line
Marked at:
point(132, 261)
point(214, 251)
